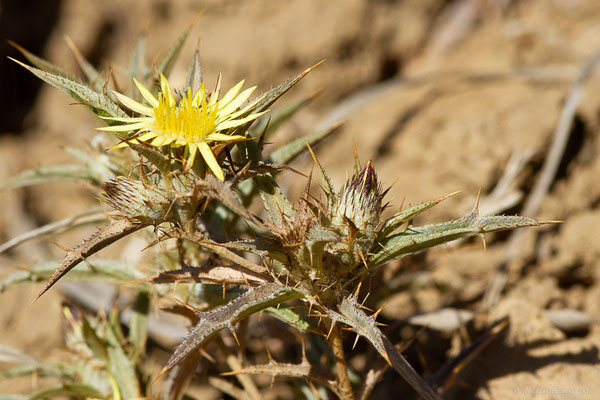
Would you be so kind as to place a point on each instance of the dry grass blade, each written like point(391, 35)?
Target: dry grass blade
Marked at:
point(55, 228)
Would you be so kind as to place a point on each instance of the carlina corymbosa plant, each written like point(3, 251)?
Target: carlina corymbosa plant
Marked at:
point(182, 169)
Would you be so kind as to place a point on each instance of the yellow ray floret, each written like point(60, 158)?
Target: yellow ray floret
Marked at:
point(194, 122)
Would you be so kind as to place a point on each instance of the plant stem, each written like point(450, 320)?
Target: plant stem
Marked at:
point(343, 382)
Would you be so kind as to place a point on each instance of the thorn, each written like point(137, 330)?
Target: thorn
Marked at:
point(162, 372)
point(185, 305)
point(362, 257)
point(362, 303)
point(269, 355)
point(376, 313)
point(207, 356)
point(60, 246)
point(330, 329)
point(484, 243)
point(232, 329)
point(307, 70)
point(550, 222)
point(475, 211)
point(357, 289)
point(355, 341)
point(303, 349)
point(313, 155)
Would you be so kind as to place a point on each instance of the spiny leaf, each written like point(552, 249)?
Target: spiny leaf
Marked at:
point(404, 216)
point(193, 78)
point(219, 249)
point(100, 104)
point(211, 322)
point(303, 370)
point(41, 63)
point(105, 236)
point(268, 98)
point(208, 274)
point(423, 237)
point(352, 315)
point(136, 65)
point(325, 182)
point(179, 378)
point(91, 74)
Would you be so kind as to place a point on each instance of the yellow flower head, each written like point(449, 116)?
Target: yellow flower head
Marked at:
point(194, 122)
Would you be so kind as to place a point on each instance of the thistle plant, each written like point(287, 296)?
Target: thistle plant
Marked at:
point(183, 168)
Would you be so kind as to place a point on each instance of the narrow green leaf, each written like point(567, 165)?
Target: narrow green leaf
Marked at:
point(268, 124)
point(78, 390)
point(40, 175)
point(423, 237)
point(168, 61)
point(288, 152)
point(91, 339)
point(289, 317)
point(404, 216)
point(120, 366)
point(138, 328)
point(100, 104)
point(105, 236)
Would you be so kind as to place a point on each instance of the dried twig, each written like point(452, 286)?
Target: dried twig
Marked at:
point(545, 179)
point(63, 225)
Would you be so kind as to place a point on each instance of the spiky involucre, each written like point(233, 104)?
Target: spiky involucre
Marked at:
point(360, 203)
point(136, 201)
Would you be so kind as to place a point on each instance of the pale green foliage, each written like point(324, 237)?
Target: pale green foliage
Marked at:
point(311, 253)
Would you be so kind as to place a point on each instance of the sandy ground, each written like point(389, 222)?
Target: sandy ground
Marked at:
point(438, 94)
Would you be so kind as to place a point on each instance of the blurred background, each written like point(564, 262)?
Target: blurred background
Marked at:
point(442, 95)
